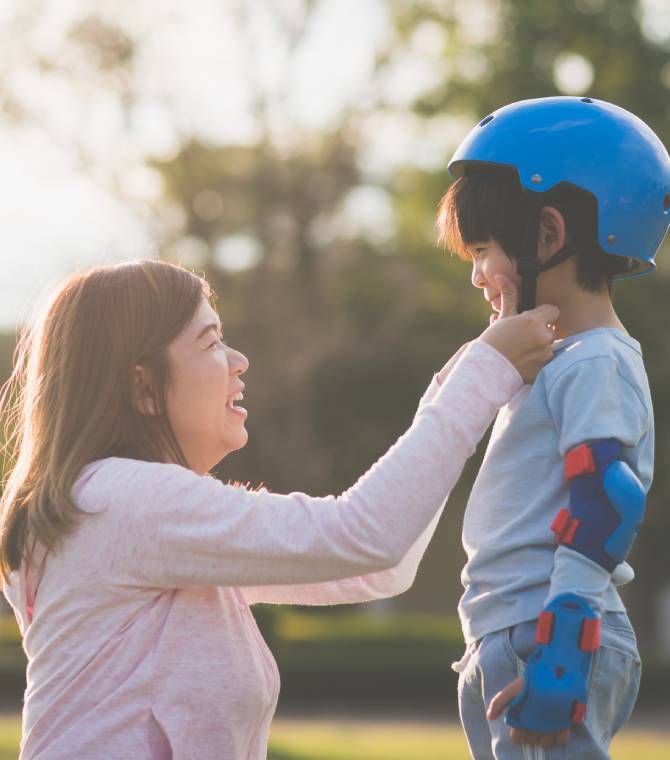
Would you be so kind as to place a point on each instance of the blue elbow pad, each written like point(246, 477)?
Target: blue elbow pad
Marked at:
point(556, 676)
point(607, 503)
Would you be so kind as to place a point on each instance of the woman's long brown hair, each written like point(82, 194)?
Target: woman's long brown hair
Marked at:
point(69, 400)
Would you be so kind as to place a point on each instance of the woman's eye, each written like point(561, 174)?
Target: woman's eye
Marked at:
point(218, 342)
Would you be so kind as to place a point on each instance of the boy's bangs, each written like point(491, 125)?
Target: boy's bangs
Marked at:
point(473, 211)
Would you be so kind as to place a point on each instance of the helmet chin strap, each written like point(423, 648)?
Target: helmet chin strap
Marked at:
point(528, 265)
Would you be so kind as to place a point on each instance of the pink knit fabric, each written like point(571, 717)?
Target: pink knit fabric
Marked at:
point(142, 644)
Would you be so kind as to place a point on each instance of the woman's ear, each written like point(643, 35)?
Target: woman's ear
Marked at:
point(141, 390)
point(552, 233)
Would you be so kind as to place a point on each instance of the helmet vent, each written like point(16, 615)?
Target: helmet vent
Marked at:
point(666, 202)
point(485, 121)
point(586, 100)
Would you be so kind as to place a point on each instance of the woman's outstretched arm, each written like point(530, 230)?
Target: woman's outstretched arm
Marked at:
point(361, 588)
point(166, 526)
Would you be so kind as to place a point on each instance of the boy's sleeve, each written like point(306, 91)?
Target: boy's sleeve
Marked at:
point(591, 401)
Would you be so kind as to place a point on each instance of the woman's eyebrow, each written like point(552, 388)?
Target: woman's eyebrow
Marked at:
point(213, 326)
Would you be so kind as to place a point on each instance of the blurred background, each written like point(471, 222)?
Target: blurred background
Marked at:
point(294, 151)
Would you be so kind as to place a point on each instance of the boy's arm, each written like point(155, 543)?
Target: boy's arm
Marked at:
point(598, 414)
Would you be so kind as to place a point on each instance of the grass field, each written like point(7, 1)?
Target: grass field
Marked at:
point(379, 740)
point(10, 730)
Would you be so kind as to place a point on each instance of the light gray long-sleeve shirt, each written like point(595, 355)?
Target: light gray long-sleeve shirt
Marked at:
point(595, 387)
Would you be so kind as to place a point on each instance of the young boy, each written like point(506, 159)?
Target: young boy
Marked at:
point(561, 195)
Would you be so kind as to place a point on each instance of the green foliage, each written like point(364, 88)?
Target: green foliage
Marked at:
point(10, 736)
point(12, 656)
point(9, 631)
point(296, 628)
point(331, 740)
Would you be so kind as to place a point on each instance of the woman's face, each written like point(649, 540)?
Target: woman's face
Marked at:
point(206, 380)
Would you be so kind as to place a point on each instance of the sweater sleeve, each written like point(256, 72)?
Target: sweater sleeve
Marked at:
point(363, 588)
point(359, 588)
point(166, 526)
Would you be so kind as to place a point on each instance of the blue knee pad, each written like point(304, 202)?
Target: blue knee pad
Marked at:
point(607, 503)
point(556, 676)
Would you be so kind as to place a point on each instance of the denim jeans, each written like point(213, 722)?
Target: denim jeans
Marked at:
point(500, 657)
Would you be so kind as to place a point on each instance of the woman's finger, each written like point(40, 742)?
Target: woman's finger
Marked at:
point(547, 313)
point(509, 296)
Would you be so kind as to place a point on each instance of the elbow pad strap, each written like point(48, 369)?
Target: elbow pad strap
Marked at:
point(607, 503)
point(556, 677)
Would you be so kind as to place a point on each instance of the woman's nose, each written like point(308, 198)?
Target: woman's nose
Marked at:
point(238, 362)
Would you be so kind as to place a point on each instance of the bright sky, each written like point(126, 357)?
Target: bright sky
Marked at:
point(195, 74)
point(192, 75)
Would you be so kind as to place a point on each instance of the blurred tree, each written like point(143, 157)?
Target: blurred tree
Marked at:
point(343, 323)
point(325, 264)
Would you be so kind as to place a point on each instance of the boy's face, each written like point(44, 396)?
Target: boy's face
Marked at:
point(488, 260)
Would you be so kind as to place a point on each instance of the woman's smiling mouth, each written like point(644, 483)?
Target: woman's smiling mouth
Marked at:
point(230, 405)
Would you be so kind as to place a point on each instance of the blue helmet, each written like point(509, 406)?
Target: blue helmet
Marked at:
point(594, 145)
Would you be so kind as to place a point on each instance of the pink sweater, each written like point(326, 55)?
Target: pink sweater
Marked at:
point(141, 643)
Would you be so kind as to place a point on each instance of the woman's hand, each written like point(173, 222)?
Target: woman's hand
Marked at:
point(525, 339)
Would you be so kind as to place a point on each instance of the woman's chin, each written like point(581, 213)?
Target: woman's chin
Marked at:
point(237, 440)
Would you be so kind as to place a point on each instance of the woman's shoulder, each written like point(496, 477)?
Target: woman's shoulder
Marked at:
point(105, 480)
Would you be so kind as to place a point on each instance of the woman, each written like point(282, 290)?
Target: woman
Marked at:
point(131, 570)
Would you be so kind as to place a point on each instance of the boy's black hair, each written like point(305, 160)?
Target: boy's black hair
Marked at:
point(489, 202)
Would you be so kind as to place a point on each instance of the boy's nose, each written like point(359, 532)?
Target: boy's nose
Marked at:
point(477, 278)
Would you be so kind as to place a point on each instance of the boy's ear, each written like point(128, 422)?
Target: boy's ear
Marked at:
point(552, 233)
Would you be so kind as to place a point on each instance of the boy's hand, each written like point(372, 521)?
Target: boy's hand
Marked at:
point(500, 702)
point(524, 339)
